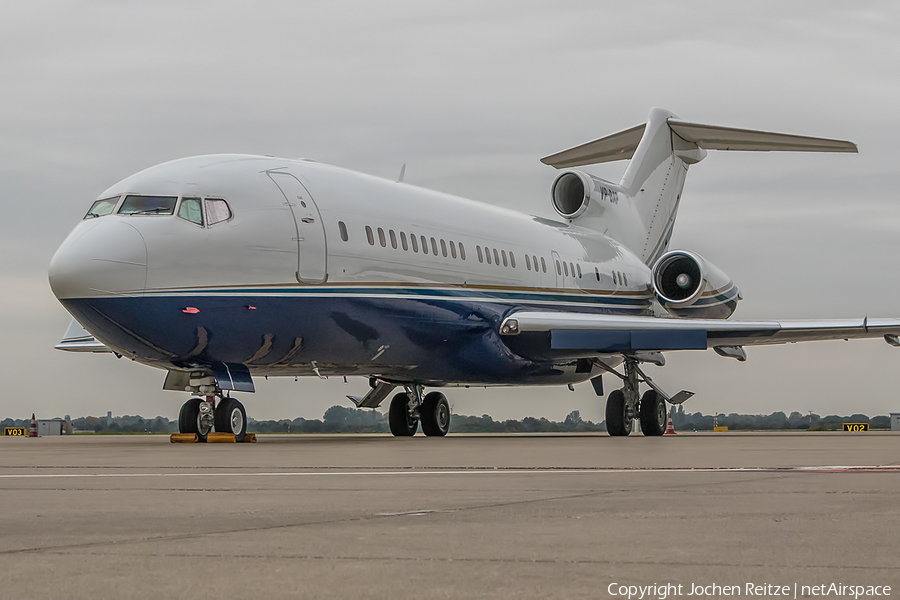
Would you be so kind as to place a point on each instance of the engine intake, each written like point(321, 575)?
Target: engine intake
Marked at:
point(687, 285)
point(678, 278)
point(573, 192)
point(570, 195)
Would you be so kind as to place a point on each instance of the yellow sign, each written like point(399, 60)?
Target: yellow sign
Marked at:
point(19, 431)
point(721, 428)
point(856, 426)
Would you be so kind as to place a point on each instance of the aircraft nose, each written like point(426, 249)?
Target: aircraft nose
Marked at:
point(101, 257)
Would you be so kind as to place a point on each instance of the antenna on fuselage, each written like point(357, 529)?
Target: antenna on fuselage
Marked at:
point(402, 173)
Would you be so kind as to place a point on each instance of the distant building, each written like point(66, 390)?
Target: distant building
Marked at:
point(53, 427)
point(895, 421)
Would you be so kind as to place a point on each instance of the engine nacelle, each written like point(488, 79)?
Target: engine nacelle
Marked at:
point(574, 191)
point(687, 285)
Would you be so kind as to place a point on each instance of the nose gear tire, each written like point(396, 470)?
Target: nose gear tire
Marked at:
point(231, 417)
point(189, 419)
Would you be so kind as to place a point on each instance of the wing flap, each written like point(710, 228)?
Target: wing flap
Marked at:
point(594, 333)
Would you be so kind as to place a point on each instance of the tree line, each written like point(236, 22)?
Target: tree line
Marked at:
point(341, 419)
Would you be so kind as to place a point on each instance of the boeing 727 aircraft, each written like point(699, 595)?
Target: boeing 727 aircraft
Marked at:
point(222, 268)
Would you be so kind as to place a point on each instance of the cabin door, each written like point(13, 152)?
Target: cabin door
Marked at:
point(311, 249)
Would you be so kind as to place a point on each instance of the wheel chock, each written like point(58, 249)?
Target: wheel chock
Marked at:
point(249, 438)
point(220, 438)
point(183, 438)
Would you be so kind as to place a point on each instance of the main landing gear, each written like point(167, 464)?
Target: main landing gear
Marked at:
point(201, 416)
point(409, 408)
point(625, 405)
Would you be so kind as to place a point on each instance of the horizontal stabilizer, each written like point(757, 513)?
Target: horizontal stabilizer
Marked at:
point(712, 137)
point(77, 339)
point(622, 145)
point(618, 146)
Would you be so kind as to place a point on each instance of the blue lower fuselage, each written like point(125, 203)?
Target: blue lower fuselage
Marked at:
point(402, 334)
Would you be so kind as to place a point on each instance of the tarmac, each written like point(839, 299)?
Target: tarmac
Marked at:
point(466, 516)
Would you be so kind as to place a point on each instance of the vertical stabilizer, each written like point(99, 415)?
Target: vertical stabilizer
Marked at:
point(653, 181)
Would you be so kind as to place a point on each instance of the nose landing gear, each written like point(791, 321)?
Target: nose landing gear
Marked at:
point(201, 416)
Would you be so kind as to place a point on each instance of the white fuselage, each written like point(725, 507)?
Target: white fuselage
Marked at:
point(300, 229)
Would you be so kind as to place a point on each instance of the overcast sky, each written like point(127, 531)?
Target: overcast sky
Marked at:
point(469, 95)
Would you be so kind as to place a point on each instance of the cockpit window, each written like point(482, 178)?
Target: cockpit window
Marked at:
point(103, 207)
point(217, 211)
point(148, 205)
point(191, 210)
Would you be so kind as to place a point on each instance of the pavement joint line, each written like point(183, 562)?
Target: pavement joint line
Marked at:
point(472, 471)
point(551, 561)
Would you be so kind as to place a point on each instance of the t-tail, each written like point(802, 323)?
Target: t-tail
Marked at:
point(640, 210)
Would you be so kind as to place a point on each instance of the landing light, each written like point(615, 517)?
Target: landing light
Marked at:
point(510, 327)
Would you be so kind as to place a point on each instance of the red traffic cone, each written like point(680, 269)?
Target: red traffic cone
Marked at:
point(32, 431)
point(670, 429)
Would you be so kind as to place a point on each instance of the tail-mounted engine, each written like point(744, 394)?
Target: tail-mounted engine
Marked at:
point(574, 191)
point(687, 285)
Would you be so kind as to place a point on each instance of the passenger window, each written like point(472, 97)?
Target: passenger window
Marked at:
point(370, 236)
point(597, 273)
point(393, 239)
point(527, 262)
point(572, 269)
point(462, 251)
point(433, 246)
point(478, 251)
point(578, 265)
point(341, 226)
point(534, 260)
point(191, 210)
point(101, 208)
point(403, 243)
point(487, 255)
point(381, 239)
point(558, 269)
point(452, 249)
point(565, 268)
point(150, 205)
point(615, 280)
point(512, 260)
point(503, 254)
point(424, 245)
point(415, 243)
point(543, 265)
point(443, 247)
point(217, 210)
point(496, 258)
point(625, 278)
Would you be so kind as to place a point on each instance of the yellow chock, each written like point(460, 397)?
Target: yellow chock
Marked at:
point(183, 438)
point(220, 438)
point(249, 438)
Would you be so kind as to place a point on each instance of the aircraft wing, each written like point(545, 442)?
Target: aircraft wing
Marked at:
point(578, 334)
point(77, 339)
